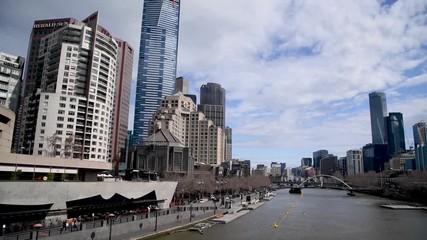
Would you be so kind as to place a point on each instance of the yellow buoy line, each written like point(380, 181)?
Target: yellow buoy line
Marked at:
point(276, 224)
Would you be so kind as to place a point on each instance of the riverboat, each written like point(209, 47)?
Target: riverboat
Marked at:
point(295, 190)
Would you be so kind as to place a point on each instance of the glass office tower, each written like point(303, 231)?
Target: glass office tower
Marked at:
point(378, 109)
point(396, 133)
point(157, 61)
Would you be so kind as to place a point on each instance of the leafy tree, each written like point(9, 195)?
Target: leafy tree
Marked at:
point(16, 174)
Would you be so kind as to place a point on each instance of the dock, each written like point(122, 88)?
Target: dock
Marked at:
point(230, 216)
point(403, 207)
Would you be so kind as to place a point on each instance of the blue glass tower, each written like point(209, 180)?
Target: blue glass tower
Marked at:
point(157, 61)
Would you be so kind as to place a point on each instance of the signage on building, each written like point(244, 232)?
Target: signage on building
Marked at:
point(155, 144)
point(49, 25)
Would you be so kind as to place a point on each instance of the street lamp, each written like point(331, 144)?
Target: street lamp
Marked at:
point(111, 220)
point(37, 226)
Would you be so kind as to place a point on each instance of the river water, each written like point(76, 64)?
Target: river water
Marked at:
point(319, 214)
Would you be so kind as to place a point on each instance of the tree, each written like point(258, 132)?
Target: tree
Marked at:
point(16, 174)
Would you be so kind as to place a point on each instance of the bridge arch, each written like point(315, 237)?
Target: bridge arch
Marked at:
point(324, 175)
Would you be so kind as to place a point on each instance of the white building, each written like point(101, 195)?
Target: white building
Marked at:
point(178, 114)
point(354, 161)
point(70, 114)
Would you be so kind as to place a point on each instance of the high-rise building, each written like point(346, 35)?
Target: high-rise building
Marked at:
point(212, 103)
point(375, 157)
point(11, 72)
point(378, 110)
point(305, 162)
point(395, 133)
point(354, 161)
point(329, 165)
point(157, 61)
point(317, 156)
point(420, 142)
point(122, 97)
point(228, 144)
point(178, 114)
point(69, 102)
point(181, 85)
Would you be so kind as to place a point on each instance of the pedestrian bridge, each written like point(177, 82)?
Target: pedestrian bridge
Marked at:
point(321, 176)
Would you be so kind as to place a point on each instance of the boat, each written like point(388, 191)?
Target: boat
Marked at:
point(296, 190)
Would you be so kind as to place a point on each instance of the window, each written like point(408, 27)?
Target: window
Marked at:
point(61, 112)
point(59, 125)
point(69, 126)
point(62, 105)
point(43, 117)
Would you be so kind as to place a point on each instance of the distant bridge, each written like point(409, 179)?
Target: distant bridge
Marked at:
point(307, 181)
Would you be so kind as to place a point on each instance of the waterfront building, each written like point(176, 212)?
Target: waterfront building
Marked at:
point(161, 154)
point(283, 168)
point(275, 170)
point(375, 157)
point(122, 98)
point(178, 114)
point(306, 162)
point(328, 165)
point(378, 111)
point(354, 161)
point(317, 156)
point(395, 133)
point(228, 144)
point(342, 166)
point(212, 103)
point(420, 142)
point(68, 112)
point(400, 160)
point(157, 61)
point(261, 170)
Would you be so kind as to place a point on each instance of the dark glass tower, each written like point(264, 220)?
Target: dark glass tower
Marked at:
point(212, 103)
point(157, 61)
point(378, 109)
point(396, 134)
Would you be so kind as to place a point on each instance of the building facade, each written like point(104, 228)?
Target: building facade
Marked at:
point(181, 85)
point(212, 103)
point(354, 161)
point(228, 144)
point(378, 111)
point(70, 105)
point(122, 98)
point(11, 72)
point(317, 156)
point(178, 114)
point(420, 145)
point(329, 165)
point(157, 61)
point(306, 162)
point(395, 133)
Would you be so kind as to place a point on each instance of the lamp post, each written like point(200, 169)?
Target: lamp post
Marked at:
point(191, 212)
point(37, 226)
point(155, 227)
point(111, 220)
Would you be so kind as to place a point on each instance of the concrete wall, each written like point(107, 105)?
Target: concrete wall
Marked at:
point(33, 193)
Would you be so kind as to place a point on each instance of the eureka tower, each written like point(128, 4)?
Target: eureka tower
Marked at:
point(157, 61)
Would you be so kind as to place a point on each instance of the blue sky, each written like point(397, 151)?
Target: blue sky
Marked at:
point(297, 73)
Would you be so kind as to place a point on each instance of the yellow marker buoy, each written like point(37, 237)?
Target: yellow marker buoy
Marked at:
point(275, 225)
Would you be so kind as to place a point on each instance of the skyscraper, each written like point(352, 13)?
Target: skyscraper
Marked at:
point(212, 103)
point(181, 85)
point(378, 109)
point(11, 71)
point(317, 156)
point(420, 141)
point(395, 133)
point(122, 97)
point(68, 112)
point(157, 61)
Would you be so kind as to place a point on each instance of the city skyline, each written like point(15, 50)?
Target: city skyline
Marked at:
point(297, 78)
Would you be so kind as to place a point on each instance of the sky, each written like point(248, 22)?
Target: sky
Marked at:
point(297, 74)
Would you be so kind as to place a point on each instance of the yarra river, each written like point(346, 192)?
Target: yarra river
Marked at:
point(319, 214)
